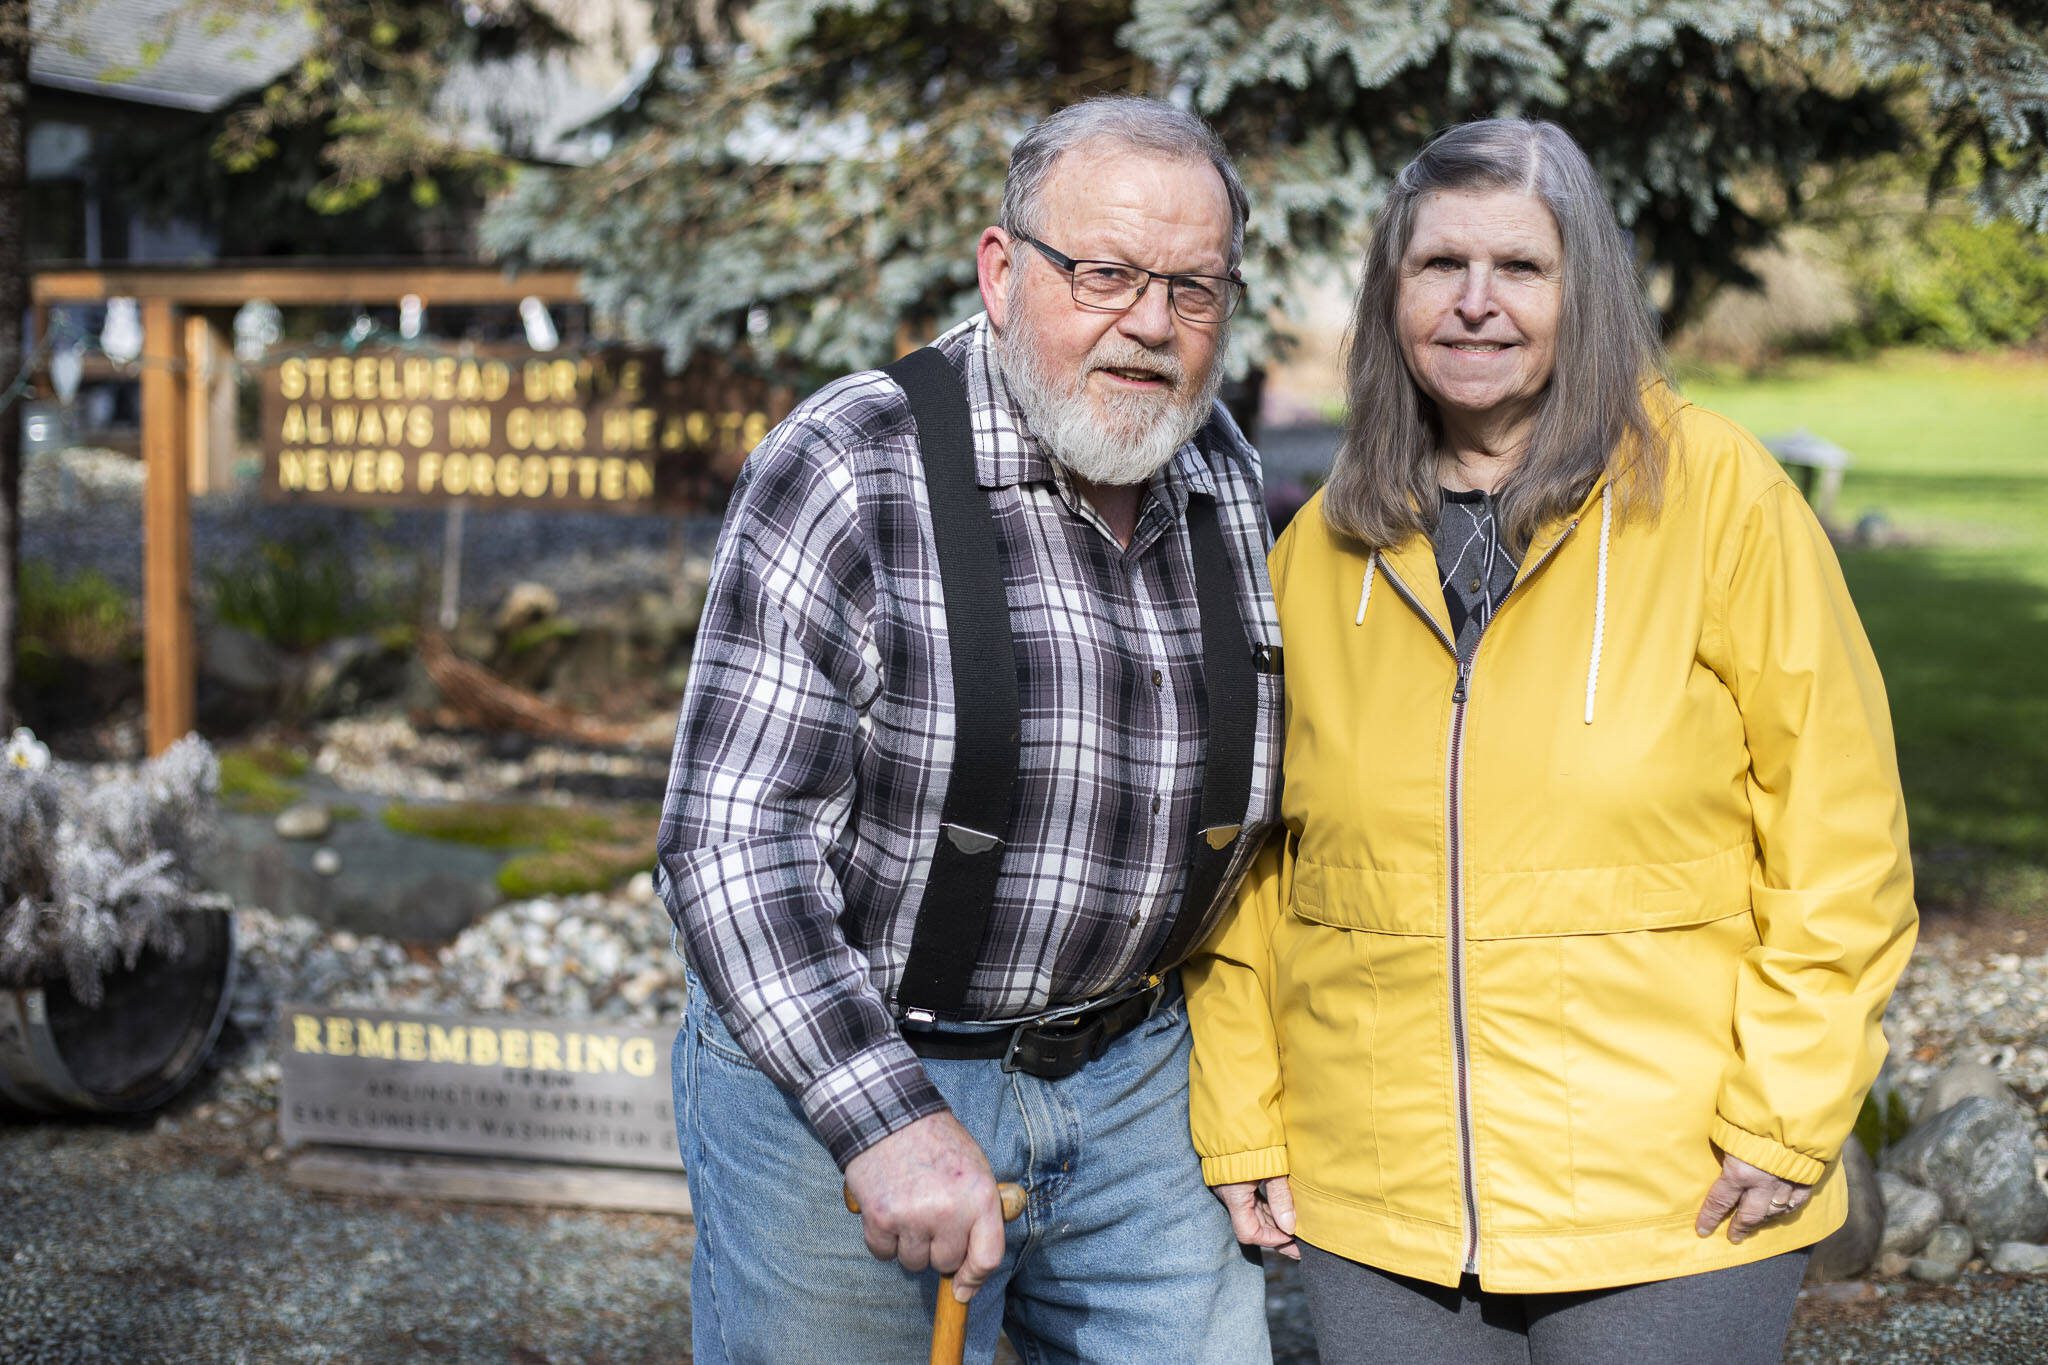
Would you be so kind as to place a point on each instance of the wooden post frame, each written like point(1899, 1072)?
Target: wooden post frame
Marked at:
point(168, 660)
point(175, 371)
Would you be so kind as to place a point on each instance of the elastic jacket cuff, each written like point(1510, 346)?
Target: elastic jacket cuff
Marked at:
point(1236, 1168)
point(1766, 1155)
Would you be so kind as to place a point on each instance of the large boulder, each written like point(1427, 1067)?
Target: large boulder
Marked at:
point(1957, 1083)
point(1848, 1251)
point(343, 674)
point(363, 877)
point(1978, 1155)
point(1911, 1214)
point(241, 678)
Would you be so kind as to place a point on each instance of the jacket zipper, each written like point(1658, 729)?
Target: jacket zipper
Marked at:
point(1454, 839)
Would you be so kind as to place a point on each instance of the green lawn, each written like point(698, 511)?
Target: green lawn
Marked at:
point(1953, 453)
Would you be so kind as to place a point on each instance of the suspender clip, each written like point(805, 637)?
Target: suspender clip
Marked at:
point(970, 841)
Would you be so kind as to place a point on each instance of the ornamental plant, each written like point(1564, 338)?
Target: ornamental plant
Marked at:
point(94, 870)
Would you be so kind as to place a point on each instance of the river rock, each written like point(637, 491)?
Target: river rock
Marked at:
point(1847, 1252)
point(1891, 1264)
point(1943, 1259)
point(1957, 1083)
point(524, 604)
point(1978, 1155)
point(326, 862)
point(2020, 1258)
point(1911, 1214)
point(306, 820)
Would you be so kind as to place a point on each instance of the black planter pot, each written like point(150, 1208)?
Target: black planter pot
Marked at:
point(140, 1046)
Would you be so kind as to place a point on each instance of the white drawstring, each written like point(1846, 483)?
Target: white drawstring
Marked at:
point(1365, 589)
point(1599, 603)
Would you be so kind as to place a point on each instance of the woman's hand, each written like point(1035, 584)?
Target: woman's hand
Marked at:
point(1262, 1214)
point(1750, 1194)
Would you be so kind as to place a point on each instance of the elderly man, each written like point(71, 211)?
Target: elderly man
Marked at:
point(980, 733)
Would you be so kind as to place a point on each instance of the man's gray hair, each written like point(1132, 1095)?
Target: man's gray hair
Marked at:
point(1129, 120)
point(1592, 418)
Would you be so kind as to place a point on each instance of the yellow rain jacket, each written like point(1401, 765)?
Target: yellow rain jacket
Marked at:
point(1534, 943)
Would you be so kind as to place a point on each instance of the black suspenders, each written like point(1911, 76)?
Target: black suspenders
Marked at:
point(975, 819)
point(952, 918)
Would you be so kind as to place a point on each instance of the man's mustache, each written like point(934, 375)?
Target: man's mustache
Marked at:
point(1123, 354)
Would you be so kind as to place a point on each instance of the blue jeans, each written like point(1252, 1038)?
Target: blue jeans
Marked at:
point(1121, 1253)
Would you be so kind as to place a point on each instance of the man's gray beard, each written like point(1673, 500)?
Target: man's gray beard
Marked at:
point(1129, 436)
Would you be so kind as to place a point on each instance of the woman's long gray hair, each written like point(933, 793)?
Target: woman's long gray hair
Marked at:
point(1591, 419)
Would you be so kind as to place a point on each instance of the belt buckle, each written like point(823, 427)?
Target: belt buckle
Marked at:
point(1016, 1037)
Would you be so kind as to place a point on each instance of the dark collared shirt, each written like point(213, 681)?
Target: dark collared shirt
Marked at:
point(817, 729)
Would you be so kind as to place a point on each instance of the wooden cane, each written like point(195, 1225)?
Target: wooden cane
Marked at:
point(949, 1319)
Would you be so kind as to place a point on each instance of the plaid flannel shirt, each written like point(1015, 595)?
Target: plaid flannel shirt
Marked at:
point(816, 733)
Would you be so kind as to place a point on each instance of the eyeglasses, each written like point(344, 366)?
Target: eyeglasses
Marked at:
point(1113, 286)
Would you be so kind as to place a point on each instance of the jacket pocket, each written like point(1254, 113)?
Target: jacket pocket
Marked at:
point(1620, 899)
point(1367, 898)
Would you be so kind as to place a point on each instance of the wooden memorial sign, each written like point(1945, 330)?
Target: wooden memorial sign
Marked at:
point(410, 427)
point(537, 1089)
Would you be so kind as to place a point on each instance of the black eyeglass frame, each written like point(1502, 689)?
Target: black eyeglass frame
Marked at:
point(1235, 288)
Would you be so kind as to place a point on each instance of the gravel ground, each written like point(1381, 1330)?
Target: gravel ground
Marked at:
point(161, 1243)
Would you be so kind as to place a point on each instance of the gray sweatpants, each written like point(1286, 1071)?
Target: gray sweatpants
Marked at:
point(1737, 1316)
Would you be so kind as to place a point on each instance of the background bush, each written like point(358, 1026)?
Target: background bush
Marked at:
point(1959, 285)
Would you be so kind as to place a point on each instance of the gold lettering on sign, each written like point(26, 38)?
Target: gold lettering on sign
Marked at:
point(375, 1040)
point(415, 428)
point(547, 1051)
point(469, 427)
point(447, 1044)
point(411, 1040)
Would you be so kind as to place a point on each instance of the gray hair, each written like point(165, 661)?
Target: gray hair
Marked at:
point(1592, 418)
point(1131, 120)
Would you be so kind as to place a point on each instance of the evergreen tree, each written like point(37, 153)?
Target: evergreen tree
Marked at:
point(807, 178)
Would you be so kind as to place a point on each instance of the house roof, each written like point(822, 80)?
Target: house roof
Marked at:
point(110, 48)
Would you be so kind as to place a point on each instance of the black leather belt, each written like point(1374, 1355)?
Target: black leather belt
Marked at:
point(1050, 1049)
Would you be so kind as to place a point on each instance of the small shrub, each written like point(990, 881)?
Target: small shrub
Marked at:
point(93, 871)
point(297, 595)
point(84, 615)
point(1882, 1121)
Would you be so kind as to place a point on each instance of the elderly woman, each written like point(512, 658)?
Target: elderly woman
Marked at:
point(1593, 882)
